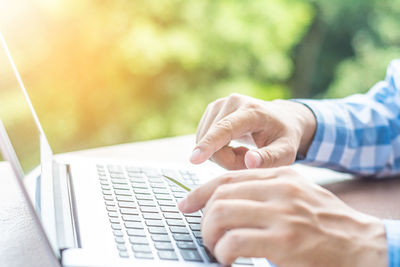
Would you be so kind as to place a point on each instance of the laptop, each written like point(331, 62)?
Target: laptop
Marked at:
point(98, 212)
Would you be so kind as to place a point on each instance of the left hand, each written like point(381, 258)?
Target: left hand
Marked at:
point(288, 220)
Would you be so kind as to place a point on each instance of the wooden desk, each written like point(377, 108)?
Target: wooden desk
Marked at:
point(20, 244)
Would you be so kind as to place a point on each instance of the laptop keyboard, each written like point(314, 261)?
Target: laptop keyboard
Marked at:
point(142, 209)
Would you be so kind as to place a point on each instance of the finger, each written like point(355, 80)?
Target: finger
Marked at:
point(224, 215)
point(281, 152)
point(223, 107)
point(231, 158)
point(197, 199)
point(255, 190)
point(256, 243)
point(221, 133)
point(208, 117)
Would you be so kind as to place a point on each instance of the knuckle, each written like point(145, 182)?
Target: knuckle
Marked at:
point(224, 124)
point(226, 179)
point(290, 188)
point(217, 210)
point(221, 192)
point(234, 97)
point(235, 241)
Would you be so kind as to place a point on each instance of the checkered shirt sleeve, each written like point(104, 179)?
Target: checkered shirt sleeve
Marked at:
point(359, 134)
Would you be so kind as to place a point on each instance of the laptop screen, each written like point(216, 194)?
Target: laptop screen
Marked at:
point(17, 117)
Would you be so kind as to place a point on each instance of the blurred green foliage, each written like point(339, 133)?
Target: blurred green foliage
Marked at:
point(106, 72)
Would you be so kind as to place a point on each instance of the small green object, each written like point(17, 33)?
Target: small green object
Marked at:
point(179, 183)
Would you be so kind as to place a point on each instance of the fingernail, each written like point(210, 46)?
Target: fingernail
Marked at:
point(253, 159)
point(182, 204)
point(195, 155)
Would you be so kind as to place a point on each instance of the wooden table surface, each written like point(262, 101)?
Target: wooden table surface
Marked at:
point(21, 244)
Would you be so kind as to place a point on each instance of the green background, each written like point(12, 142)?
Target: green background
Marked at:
point(108, 72)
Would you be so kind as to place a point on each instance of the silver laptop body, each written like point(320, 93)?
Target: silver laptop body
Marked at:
point(97, 212)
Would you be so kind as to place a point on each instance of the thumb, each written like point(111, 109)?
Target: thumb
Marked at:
point(276, 154)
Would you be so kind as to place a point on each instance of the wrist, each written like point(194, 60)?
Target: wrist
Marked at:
point(308, 125)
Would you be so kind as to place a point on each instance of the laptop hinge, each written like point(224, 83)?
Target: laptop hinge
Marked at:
point(64, 202)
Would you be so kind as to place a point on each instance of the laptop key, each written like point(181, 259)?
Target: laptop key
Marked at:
point(135, 232)
point(123, 254)
point(244, 261)
point(141, 248)
point(121, 247)
point(134, 225)
point(197, 234)
point(179, 230)
point(169, 209)
point(125, 198)
point(160, 191)
point(163, 246)
point(119, 240)
point(138, 240)
point(129, 211)
point(116, 226)
point(149, 203)
point(118, 181)
point(151, 216)
point(167, 255)
point(143, 197)
point(194, 214)
point(127, 205)
point(191, 255)
point(194, 227)
point(163, 197)
point(157, 230)
point(131, 218)
point(109, 203)
point(172, 216)
point(186, 245)
point(172, 222)
point(140, 185)
point(108, 197)
point(200, 241)
point(104, 182)
point(105, 187)
point(111, 208)
point(121, 186)
point(156, 180)
point(194, 220)
point(142, 255)
point(158, 185)
point(141, 191)
point(182, 237)
point(160, 238)
point(113, 214)
point(118, 233)
point(107, 192)
point(179, 195)
point(146, 209)
point(122, 192)
point(156, 223)
point(166, 203)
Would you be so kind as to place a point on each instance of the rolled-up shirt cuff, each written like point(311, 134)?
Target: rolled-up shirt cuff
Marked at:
point(393, 242)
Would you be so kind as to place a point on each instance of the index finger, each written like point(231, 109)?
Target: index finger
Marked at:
point(221, 134)
point(199, 197)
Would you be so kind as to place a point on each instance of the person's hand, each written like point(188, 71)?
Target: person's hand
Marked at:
point(288, 220)
point(279, 128)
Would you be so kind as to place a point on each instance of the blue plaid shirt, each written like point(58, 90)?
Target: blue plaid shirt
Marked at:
point(360, 134)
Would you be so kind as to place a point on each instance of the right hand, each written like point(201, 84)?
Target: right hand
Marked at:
point(280, 129)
